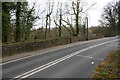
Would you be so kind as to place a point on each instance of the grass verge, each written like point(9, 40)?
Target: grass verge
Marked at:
point(110, 67)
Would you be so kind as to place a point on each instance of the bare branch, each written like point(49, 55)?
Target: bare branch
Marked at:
point(89, 7)
point(73, 8)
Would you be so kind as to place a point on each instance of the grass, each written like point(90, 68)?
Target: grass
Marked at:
point(110, 67)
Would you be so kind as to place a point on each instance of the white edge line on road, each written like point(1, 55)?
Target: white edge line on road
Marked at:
point(38, 69)
point(47, 52)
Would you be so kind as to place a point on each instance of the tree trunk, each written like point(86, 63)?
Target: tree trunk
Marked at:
point(77, 19)
point(18, 23)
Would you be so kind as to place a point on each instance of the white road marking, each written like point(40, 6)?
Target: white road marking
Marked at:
point(44, 52)
point(90, 57)
point(38, 69)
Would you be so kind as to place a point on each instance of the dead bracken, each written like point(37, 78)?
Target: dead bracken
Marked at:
point(110, 67)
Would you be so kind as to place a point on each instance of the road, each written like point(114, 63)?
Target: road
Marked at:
point(77, 61)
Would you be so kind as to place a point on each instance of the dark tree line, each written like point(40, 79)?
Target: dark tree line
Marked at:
point(6, 24)
point(111, 18)
point(17, 21)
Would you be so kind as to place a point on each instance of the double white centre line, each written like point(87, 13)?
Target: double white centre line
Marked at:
point(43, 67)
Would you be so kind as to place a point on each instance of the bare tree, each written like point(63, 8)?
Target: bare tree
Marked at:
point(60, 20)
point(76, 11)
point(50, 12)
point(48, 17)
point(66, 20)
point(109, 17)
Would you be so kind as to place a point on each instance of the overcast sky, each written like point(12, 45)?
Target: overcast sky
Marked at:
point(93, 14)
